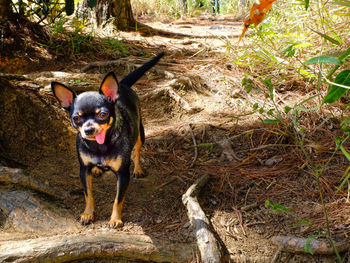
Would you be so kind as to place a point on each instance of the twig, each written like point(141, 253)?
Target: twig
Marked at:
point(321, 247)
point(267, 146)
point(240, 219)
point(248, 207)
point(168, 182)
point(275, 256)
point(209, 247)
point(183, 103)
point(195, 148)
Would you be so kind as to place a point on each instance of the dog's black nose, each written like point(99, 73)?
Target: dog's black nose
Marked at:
point(89, 130)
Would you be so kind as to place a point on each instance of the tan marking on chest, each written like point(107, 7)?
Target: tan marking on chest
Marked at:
point(86, 158)
point(114, 164)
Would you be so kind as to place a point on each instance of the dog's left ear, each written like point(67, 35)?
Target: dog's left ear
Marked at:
point(109, 87)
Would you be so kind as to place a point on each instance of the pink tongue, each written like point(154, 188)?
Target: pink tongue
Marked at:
point(100, 137)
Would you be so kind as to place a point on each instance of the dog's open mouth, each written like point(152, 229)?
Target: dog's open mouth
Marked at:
point(98, 137)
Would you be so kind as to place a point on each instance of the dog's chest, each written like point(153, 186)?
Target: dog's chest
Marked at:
point(112, 163)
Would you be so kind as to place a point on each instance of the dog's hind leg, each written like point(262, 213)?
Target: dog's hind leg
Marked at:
point(138, 173)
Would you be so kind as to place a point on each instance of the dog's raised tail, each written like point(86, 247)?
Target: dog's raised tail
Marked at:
point(134, 76)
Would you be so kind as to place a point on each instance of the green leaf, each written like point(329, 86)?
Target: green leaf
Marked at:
point(269, 84)
point(255, 106)
point(261, 110)
point(307, 4)
point(287, 109)
point(305, 222)
point(347, 155)
point(280, 208)
point(342, 3)
point(249, 88)
point(270, 121)
point(270, 111)
point(337, 92)
point(330, 39)
point(290, 51)
point(307, 247)
point(345, 177)
point(323, 59)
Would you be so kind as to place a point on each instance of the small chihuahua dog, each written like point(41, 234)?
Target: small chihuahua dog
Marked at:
point(109, 127)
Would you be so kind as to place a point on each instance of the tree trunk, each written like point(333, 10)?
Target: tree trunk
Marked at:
point(118, 12)
point(5, 8)
point(123, 16)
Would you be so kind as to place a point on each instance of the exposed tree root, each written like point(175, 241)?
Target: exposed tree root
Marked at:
point(169, 91)
point(195, 147)
point(296, 245)
point(146, 30)
point(208, 246)
point(66, 248)
point(18, 177)
point(122, 68)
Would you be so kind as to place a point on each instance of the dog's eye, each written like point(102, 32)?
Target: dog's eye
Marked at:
point(76, 118)
point(102, 115)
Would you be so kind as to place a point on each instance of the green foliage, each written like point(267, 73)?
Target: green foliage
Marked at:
point(330, 39)
point(42, 11)
point(307, 247)
point(323, 59)
point(276, 207)
point(336, 92)
point(113, 47)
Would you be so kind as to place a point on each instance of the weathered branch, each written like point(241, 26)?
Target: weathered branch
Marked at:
point(66, 248)
point(208, 246)
point(296, 245)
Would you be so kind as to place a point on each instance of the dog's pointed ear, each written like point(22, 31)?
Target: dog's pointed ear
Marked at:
point(109, 87)
point(63, 94)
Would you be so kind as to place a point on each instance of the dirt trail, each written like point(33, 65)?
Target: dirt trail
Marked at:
point(193, 89)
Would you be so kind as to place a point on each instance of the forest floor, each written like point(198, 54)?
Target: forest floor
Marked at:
point(249, 162)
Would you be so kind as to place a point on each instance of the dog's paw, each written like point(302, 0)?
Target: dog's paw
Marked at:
point(86, 218)
point(115, 223)
point(96, 172)
point(138, 173)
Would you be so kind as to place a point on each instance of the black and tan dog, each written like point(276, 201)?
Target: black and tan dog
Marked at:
point(110, 127)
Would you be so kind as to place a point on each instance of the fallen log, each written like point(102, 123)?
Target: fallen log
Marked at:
point(65, 248)
point(209, 247)
point(320, 247)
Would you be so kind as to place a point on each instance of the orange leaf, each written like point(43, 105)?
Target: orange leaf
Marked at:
point(257, 14)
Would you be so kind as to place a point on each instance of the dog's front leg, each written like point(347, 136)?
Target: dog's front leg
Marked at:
point(86, 179)
point(123, 183)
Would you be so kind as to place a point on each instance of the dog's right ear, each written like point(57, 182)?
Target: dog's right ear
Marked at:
point(110, 87)
point(63, 94)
